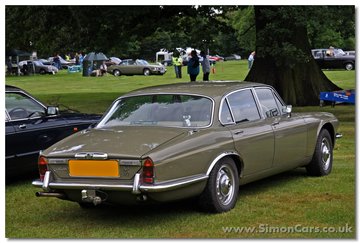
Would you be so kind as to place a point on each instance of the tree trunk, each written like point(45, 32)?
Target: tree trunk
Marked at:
point(299, 81)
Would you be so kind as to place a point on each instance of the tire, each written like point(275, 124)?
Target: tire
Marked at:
point(221, 191)
point(321, 163)
point(349, 66)
point(117, 72)
point(146, 72)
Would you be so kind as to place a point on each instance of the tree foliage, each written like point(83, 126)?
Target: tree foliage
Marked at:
point(283, 55)
point(140, 31)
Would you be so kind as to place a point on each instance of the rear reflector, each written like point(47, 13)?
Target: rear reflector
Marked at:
point(42, 165)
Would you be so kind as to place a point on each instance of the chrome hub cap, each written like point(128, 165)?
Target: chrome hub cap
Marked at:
point(325, 153)
point(225, 189)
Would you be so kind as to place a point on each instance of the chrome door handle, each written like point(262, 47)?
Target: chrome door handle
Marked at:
point(22, 126)
point(275, 123)
point(238, 132)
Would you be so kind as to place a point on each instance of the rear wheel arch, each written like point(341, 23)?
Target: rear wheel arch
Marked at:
point(232, 155)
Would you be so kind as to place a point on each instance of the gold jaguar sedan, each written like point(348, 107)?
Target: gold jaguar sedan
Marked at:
point(177, 141)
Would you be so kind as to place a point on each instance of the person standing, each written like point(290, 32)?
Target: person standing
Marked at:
point(193, 68)
point(251, 59)
point(205, 63)
point(177, 62)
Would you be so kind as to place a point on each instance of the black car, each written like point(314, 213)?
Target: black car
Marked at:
point(336, 59)
point(32, 126)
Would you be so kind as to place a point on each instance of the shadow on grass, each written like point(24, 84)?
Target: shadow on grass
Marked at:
point(166, 211)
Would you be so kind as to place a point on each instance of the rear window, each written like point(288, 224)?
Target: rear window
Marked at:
point(168, 110)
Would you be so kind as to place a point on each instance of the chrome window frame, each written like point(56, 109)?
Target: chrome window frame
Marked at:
point(274, 94)
point(225, 97)
point(112, 107)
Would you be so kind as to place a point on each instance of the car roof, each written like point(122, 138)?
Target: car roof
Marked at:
point(212, 89)
point(13, 88)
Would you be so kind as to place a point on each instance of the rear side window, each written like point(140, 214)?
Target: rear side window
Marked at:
point(269, 103)
point(243, 106)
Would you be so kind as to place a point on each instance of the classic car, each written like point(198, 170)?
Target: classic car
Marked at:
point(36, 66)
point(176, 141)
point(336, 59)
point(64, 64)
point(113, 61)
point(216, 58)
point(31, 127)
point(232, 57)
point(139, 66)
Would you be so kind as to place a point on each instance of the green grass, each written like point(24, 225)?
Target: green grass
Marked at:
point(286, 200)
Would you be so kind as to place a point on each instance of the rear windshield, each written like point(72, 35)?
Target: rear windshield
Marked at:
point(167, 110)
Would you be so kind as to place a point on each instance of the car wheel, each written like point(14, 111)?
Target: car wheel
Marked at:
point(221, 191)
point(349, 66)
point(116, 72)
point(146, 72)
point(42, 71)
point(321, 163)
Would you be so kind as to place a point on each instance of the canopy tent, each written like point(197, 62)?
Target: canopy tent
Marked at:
point(17, 53)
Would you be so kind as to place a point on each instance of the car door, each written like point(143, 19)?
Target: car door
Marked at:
point(10, 134)
point(290, 130)
point(137, 68)
point(34, 130)
point(253, 136)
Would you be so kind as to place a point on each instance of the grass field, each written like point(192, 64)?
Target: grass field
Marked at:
point(304, 207)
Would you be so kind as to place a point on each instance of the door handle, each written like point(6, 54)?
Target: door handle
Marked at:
point(22, 126)
point(238, 132)
point(275, 123)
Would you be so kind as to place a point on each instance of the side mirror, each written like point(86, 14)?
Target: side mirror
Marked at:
point(52, 110)
point(287, 110)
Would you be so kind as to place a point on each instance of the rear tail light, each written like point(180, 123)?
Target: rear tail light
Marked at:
point(148, 171)
point(42, 164)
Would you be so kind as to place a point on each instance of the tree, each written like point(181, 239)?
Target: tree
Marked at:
point(283, 55)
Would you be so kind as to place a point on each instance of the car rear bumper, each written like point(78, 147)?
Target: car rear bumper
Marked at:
point(48, 185)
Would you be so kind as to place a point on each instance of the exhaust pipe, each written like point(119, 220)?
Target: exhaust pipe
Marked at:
point(50, 194)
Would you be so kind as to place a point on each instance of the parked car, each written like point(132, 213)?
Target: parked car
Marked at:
point(137, 67)
point(113, 61)
point(36, 66)
point(31, 126)
point(338, 59)
point(232, 57)
point(176, 141)
point(351, 53)
point(216, 58)
point(64, 64)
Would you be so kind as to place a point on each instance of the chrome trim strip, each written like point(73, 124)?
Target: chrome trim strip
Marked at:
point(222, 155)
point(165, 186)
point(108, 113)
point(91, 155)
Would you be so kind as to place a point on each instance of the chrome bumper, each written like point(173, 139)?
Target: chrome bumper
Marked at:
point(338, 135)
point(136, 188)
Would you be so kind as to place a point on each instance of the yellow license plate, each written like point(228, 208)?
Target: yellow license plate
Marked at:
point(94, 168)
